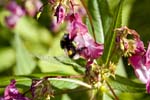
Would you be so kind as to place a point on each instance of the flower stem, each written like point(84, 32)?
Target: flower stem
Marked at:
point(90, 18)
point(116, 98)
point(71, 76)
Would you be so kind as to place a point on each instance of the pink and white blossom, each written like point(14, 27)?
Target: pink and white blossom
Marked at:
point(78, 32)
point(140, 63)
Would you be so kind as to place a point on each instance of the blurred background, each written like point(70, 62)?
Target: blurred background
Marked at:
point(34, 40)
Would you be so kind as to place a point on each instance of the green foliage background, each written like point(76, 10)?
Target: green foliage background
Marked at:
point(31, 50)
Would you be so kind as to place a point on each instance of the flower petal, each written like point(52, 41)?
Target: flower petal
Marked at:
point(60, 13)
point(147, 57)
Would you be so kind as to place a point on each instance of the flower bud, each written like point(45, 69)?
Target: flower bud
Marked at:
point(60, 13)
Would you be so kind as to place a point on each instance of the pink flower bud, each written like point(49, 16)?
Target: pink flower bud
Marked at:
point(11, 20)
point(15, 9)
point(60, 13)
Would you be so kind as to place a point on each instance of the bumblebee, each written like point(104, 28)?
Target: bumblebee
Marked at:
point(68, 45)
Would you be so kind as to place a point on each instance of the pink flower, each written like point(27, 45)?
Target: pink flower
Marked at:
point(12, 93)
point(15, 9)
point(129, 46)
point(140, 63)
point(147, 57)
point(76, 26)
point(91, 50)
point(60, 13)
point(139, 47)
point(82, 11)
point(140, 69)
point(133, 48)
point(86, 45)
point(11, 20)
point(16, 12)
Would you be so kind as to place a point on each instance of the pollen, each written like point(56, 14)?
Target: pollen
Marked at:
point(70, 52)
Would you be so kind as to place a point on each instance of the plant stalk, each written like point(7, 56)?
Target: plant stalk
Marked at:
point(114, 94)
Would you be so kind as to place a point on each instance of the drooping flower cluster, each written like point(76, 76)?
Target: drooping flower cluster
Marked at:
point(133, 48)
point(78, 42)
point(84, 44)
point(12, 93)
point(78, 32)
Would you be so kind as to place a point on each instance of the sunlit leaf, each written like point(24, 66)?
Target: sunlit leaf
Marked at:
point(52, 65)
point(111, 36)
point(126, 85)
point(7, 58)
point(64, 83)
point(106, 97)
point(120, 70)
point(31, 30)
point(94, 9)
point(25, 63)
point(68, 61)
point(20, 80)
point(60, 83)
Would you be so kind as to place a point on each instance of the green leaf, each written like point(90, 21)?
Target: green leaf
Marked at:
point(59, 83)
point(31, 30)
point(65, 97)
point(19, 80)
point(66, 83)
point(50, 64)
point(120, 70)
point(28, 28)
point(112, 5)
point(46, 14)
point(106, 97)
point(67, 61)
point(36, 37)
point(55, 49)
point(106, 15)
point(109, 44)
point(22, 83)
point(7, 58)
point(94, 10)
point(126, 85)
point(51, 74)
point(127, 8)
point(25, 63)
